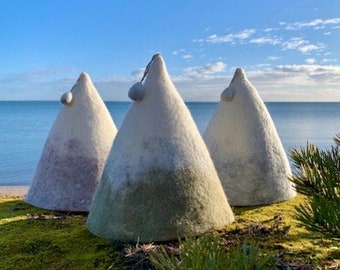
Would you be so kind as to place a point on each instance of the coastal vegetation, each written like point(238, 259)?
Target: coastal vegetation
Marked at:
point(317, 175)
point(32, 238)
point(301, 233)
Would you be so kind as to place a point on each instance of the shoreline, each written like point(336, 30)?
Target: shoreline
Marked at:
point(13, 191)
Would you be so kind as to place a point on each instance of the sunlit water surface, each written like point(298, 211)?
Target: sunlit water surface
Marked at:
point(24, 127)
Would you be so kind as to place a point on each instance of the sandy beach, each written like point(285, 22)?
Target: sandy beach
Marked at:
point(13, 191)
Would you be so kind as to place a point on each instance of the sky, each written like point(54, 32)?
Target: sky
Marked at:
point(289, 49)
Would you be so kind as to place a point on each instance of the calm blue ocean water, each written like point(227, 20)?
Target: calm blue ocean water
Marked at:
point(24, 127)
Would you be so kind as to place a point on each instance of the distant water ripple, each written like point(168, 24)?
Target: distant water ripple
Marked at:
point(24, 127)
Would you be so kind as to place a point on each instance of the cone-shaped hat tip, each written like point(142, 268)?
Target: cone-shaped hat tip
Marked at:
point(157, 59)
point(84, 77)
point(238, 75)
point(156, 67)
point(156, 56)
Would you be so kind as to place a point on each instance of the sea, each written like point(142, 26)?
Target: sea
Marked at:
point(24, 127)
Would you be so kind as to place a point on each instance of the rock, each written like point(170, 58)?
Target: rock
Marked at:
point(246, 149)
point(75, 151)
point(159, 182)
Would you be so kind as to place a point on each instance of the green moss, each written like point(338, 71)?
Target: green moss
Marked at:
point(276, 228)
point(47, 240)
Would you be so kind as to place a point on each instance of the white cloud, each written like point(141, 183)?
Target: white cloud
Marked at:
point(39, 84)
point(199, 40)
point(137, 74)
point(42, 75)
point(273, 58)
point(263, 66)
point(207, 70)
point(310, 61)
point(310, 47)
point(269, 30)
point(231, 38)
point(309, 82)
point(316, 24)
point(178, 51)
point(253, 36)
point(281, 83)
point(301, 45)
point(266, 40)
point(298, 83)
point(294, 43)
point(328, 60)
point(324, 73)
point(187, 56)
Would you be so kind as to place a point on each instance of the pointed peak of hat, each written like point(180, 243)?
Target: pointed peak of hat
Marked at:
point(156, 67)
point(84, 77)
point(239, 75)
point(157, 58)
point(84, 80)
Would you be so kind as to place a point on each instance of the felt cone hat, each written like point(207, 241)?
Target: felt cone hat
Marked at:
point(246, 149)
point(75, 151)
point(159, 182)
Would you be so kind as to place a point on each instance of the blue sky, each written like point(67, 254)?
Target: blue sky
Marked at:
point(289, 49)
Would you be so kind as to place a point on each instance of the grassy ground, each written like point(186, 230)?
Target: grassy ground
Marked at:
point(32, 238)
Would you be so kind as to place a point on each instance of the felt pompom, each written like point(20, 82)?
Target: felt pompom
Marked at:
point(67, 98)
point(227, 94)
point(137, 92)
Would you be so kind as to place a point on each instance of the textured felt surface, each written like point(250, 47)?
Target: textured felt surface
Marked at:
point(246, 149)
point(159, 182)
point(74, 153)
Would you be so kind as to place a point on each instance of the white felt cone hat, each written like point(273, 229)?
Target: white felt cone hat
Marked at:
point(246, 149)
point(75, 151)
point(159, 182)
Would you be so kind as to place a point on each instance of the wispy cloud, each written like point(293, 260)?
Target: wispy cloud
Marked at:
point(199, 83)
point(316, 24)
point(207, 70)
point(302, 45)
point(266, 40)
point(39, 84)
point(273, 58)
point(178, 51)
point(329, 60)
point(279, 36)
point(138, 73)
point(294, 77)
point(39, 75)
point(309, 82)
point(295, 43)
point(231, 38)
point(310, 61)
point(187, 56)
point(328, 71)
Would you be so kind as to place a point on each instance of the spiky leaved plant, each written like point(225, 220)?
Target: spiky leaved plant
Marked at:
point(317, 174)
point(337, 139)
point(207, 253)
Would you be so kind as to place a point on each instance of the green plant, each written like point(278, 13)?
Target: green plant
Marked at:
point(249, 257)
point(207, 253)
point(317, 174)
